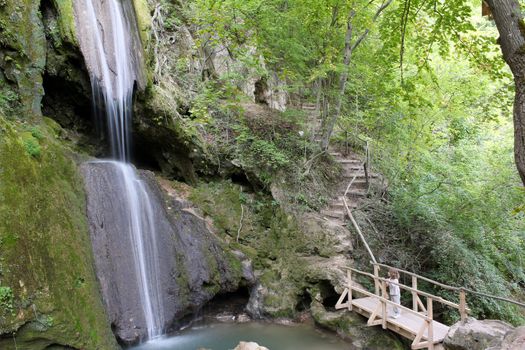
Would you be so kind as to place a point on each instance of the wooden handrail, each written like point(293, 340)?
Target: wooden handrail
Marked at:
point(444, 286)
point(387, 301)
point(356, 226)
point(380, 310)
point(419, 292)
point(452, 288)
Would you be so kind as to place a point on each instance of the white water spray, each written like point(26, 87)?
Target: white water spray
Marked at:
point(108, 54)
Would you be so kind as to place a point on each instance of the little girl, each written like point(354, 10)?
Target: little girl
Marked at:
point(394, 291)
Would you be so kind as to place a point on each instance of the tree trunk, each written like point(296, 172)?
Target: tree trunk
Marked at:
point(343, 78)
point(342, 84)
point(511, 27)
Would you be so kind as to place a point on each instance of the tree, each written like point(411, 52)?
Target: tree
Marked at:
point(511, 26)
point(343, 78)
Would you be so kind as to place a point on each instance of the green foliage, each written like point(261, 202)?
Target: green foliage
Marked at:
point(42, 222)
point(8, 100)
point(427, 89)
point(6, 299)
point(268, 236)
point(31, 145)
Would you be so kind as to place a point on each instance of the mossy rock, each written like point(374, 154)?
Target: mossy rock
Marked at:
point(354, 328)
point(66, 20)
point(23, 53)
point(45, 250)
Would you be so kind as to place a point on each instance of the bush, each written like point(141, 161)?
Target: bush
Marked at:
point(31, 145)
point(6, 299)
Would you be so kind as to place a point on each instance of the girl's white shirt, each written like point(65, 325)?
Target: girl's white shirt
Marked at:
point(393, 289)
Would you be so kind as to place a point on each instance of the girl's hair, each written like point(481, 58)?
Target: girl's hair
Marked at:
point(393, 273)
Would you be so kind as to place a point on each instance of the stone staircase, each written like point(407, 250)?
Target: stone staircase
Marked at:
point(352, 165)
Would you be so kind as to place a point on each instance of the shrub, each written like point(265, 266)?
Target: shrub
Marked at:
point(6, 299)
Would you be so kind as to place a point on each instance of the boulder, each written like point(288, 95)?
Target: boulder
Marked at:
point(476, 335)
point(353, 328)
point(249, 346)
point(513, 340)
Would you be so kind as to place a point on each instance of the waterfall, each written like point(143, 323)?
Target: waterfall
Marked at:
point(107, 46)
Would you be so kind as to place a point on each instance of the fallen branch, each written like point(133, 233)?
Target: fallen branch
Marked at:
point(240, 223)
point(309, 163)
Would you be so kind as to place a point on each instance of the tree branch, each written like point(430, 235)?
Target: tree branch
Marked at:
point(374, 19)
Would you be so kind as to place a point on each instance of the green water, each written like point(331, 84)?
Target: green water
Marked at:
point(227, 336)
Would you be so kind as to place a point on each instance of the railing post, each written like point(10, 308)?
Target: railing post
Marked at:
point(376, 279)
point(366, 167)
point(349, 290)
point(430, 317)
point(414, 294)
point(462, 305)
point(383, 305)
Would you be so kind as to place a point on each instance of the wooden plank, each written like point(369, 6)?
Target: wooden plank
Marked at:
point(350, 290)
point(462, 305)
point(430, 327)
point(414, 294)
point(340, 304)
point(407, 324)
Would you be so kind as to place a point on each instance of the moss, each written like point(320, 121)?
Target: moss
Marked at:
point(222, 202)
point(22, 33)
point(521, 25)
point(352, 327)
point(268, 236)
point(143, 20)
point(45, 253)
point(66, 20)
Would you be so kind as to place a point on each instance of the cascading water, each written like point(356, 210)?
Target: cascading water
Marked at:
point(108, 51)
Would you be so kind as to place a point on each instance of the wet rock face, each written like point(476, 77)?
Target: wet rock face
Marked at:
point(194, 267)
point(476, 335)
point(104, 13)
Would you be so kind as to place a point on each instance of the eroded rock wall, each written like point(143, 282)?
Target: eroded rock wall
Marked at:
point(194, 266)
point(48, 289)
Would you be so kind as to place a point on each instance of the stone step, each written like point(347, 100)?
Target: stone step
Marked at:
point(355, 192)
point(351, 197)
point(359, 183)
point(339, 222)
point(340, 206)
point(349, 161)
point(360, 174)
point(338, 214)
point(352, 166)
point(360, 186)
point(309, 106)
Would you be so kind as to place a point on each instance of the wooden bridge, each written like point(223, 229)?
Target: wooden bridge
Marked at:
point(415, 323)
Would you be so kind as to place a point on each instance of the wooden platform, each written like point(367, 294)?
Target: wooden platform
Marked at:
point(407, 324)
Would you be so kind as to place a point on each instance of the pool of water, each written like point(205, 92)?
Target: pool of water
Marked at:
point(224, 336)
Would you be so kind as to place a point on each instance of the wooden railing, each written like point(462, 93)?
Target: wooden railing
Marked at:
point(367, 152)
point(354, 223)
point(416, 301)
point(424, 311)
point(462, 291)
point(356, 226)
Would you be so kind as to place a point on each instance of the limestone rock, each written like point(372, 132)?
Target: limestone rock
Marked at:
point(513, 340)
point(476, 335)
point(353, 328)
point(249, 346)
point(195, 266)
point(89, 46)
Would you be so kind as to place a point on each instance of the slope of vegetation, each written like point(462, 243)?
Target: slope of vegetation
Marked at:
point(423, 83)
